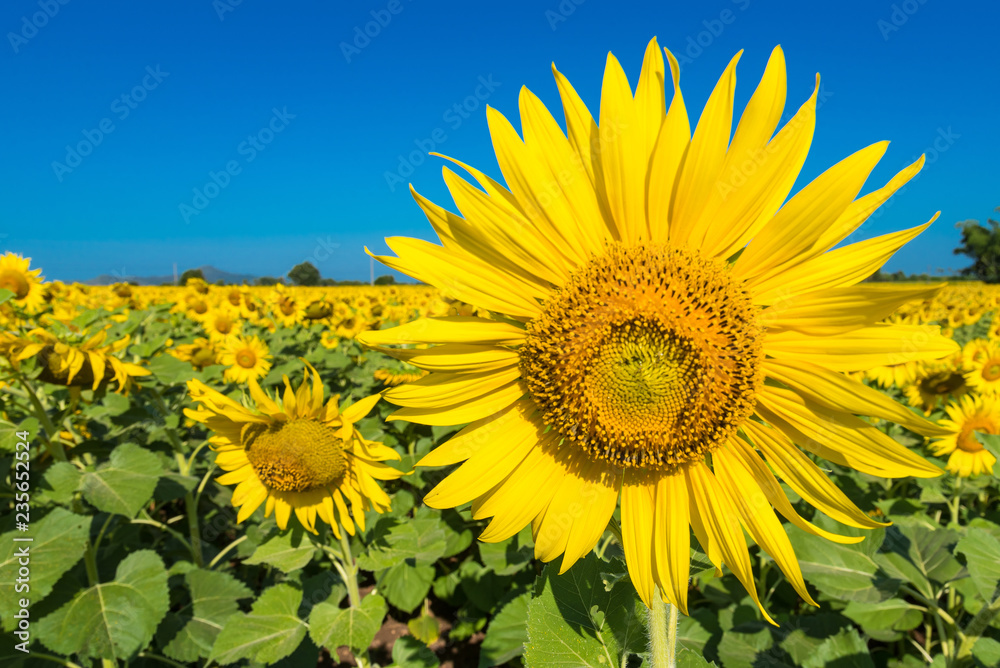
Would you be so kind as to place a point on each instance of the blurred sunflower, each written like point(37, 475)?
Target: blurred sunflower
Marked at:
point(661, 321)
point(984, 374)
point(967, 456)
point(74, 359)
point(200, 354)
point(25, 283)
point(221, 322)
point(935, 383)
point(246, 358)
point(293, 453)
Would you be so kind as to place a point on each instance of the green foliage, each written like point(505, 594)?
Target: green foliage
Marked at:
point(304, 274)
point(189, 274)
point(982, 245)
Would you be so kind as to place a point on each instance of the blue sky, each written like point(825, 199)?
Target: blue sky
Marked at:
point(252, 136)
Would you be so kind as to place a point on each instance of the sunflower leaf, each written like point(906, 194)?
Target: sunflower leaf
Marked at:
point(563, 629)
point(58, 542)
point(886, 620)
point(271, 631)
point(333, 627)
point(847, 649)
point(839, 571)
point(169, 370)
point(981, 548)
point(5, 295)
point(189, 634)
point(125, 483)
point(920, 555)
point(423, 540)
point(112, 620)
point(408, 652)
point(287, 551)
point(506, 633)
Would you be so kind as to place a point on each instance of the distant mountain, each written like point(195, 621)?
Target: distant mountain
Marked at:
point(211, 274)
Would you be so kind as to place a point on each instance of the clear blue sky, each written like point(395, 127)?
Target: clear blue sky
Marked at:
point(200, 78)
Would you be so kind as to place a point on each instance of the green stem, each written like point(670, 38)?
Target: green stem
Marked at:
point(90, 561)
point(351, 579)
point(662, 621)
point(978, 624)
point(51, 437)
point(193, 531)
point(236, 542)
point(54, 659)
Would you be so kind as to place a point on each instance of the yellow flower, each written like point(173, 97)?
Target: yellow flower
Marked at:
point(25, 283)
point(246, 357)
point(296, 454)
point(645, 283)
point(200, 354)
point(968, 416)
point(984, 375)
point(221, 323)
point(74, 359)
point(935, 382)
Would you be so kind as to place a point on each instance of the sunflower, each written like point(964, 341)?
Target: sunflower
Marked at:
point(935, 383)
point(984, 376)
point(25, 283)
point(200, 354)
point(74, 359)
point(246, 358)
point(295, 453)
point(221, 323)
point(659, 323)
point(967, 456)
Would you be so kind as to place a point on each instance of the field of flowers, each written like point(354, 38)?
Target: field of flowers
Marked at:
point(149, 546)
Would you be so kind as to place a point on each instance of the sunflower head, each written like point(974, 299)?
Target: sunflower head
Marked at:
point(967, 417)
point(246, 358)
point(293, 452)
point(25, 283)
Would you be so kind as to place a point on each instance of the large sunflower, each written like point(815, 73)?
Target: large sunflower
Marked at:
point(296, 454)
point(664, 330)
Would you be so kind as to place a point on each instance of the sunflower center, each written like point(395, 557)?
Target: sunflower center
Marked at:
point(649, 357)
point(967, 440)
point(942, 383)
point(223, 325)
point(295, 456)
point(246, 358)
point(991, 370)
point(16, 282)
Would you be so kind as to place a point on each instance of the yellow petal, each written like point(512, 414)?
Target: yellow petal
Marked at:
point(454, 329)
point(666, 159)
point(637, 531)
point(672, 539)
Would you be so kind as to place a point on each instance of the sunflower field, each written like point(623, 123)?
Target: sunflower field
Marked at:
point(638, 412)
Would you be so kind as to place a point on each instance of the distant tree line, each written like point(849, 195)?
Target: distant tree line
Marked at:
point(301, 274)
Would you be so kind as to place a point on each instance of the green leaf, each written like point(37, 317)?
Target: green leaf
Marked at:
point(839, 571)
point(920, 555)
point(171, 371)
point(844, 650)
point(5, 295)
point(124, 484)
point(740, 646)
point(408, 652)
point(190, 633)
point(112, 620)
point(992, 443)
point(688, 659)
point(9, 433)
point(424, 628)
point(62, 479)
point(982, 555)
point(506, 634)
point(509, 556)
point(803, 634)
point(270, 631)
point(574, 621)
point(58, 542)
point(406, 586)
point(288, 551)
point(422, 540)
point(986, 653)
point(333, 627)
point(886, 620)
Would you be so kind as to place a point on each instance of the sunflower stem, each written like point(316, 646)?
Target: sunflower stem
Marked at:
point(662, 620)
point(977, 626)
point(51, 436)
point(351, 571)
